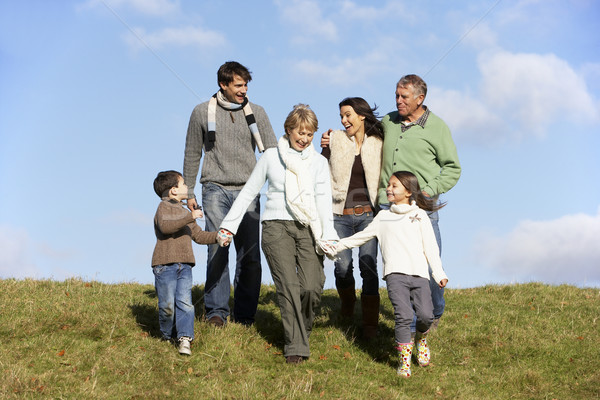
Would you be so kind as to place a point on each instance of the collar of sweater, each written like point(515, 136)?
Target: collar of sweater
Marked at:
point(403, 208)
point(172, 201)
point(285, 148)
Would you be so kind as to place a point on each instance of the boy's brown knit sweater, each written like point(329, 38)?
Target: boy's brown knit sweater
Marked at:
point(175, 229)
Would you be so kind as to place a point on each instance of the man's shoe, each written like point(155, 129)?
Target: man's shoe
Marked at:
point(185, 346)
point(216, 321)
point(294, 359)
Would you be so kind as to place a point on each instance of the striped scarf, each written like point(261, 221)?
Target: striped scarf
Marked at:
point(250, 120)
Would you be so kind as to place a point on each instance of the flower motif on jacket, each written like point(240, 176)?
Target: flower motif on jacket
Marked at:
point(415, 218)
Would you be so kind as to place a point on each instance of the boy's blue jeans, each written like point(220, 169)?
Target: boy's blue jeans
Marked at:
point(173, 285)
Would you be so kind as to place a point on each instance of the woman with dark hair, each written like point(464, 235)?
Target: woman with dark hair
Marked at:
point(355, 164)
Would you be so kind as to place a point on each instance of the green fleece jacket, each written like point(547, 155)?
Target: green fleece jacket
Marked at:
point(428, 152)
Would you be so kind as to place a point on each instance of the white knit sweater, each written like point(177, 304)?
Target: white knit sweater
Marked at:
point(270, 168)
point(407, 242)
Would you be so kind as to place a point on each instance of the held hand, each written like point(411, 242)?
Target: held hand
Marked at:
point(443, 283)
point(192, 204)
point(325, 138)
point(197, 213)
point(329, 247)
point(224, 237)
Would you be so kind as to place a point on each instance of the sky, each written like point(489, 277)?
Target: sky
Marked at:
point(96, 95)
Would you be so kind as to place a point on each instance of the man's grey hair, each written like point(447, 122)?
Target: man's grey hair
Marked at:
point(418, 84)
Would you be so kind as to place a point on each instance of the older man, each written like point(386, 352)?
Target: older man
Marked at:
point(228, 128)
point(418, 141)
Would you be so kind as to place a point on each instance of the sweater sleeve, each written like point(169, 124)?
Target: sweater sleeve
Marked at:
point(431, 249)
point(194, 142)
point(257, 180)
point(362, 237)
point(447, 159)
point(169, 222)
point(323, 200)
point(200, 236)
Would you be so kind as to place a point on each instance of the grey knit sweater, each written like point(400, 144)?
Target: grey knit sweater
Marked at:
point(175, 229)
point(230, 159)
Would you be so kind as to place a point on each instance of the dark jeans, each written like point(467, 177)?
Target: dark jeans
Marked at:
point(348, 225)
point(217, 201)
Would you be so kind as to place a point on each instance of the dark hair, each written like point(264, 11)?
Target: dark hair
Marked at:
point(411, 183)
point(418, 84)
point(164, 181)
point(373, 126)
point(228, 70)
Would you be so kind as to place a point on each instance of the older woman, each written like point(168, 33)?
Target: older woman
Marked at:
point(355, 163)
point(296, 224)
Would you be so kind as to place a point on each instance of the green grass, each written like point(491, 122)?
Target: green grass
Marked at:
point(77, 339)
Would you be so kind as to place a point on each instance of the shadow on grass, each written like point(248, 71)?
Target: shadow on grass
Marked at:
point(380, 349)
point(268, 325)
point(146, 316)
point(268, 320)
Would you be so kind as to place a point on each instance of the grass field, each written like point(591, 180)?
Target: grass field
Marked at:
point(77, 339)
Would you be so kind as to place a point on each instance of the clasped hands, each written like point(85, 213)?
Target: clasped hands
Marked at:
point(330, 248)
point(224, 237)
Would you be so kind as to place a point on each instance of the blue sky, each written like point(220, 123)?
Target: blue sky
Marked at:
point(95, 98)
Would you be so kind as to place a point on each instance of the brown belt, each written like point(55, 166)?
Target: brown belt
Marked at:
point(357, 210)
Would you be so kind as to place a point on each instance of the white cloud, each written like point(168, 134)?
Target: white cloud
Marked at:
point(535, 90)
point(345, 72)
point(564, 250)
point(467, 116)
point(147, 7)
point(519, 95)
point(481, 37)
point(351, 10)
point(15, 254)
point(391, 9)
point(176, 37)
point(307, 21)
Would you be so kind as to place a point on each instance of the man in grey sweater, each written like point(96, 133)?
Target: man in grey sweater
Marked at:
point(228, 129)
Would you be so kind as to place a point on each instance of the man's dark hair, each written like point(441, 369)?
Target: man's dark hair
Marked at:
point(228, 70)
point(164, 181)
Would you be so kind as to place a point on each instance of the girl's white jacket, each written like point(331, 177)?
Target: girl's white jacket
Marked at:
point(407, 242)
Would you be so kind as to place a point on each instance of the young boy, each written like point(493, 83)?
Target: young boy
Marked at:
point(173, 258)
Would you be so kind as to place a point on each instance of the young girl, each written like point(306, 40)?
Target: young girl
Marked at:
point(408, 245)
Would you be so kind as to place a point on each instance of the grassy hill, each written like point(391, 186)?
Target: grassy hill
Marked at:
point(77, 339)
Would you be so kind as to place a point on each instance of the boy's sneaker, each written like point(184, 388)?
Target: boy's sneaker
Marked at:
point(185, 345)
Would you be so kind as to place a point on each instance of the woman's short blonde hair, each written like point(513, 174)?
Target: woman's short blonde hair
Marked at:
point(301, 116)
